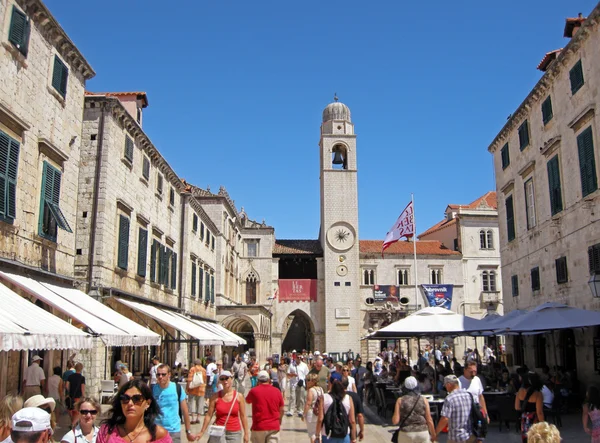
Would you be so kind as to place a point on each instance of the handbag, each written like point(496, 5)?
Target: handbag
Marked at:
point(317, 402)
point(397, 431)
point(197, 380)
point(217, 430)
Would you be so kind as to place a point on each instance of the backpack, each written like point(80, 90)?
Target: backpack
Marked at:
point(178, 388)
point(317, 402)
point(479, 423)
point(336, 420)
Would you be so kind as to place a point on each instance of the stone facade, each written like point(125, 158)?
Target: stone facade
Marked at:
point(553, 225)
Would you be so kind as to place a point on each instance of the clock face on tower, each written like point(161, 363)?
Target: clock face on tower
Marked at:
point(340, 236)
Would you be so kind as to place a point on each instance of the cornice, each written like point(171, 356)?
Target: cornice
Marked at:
point(543, 85)
point(57, 37)
point(197, 207)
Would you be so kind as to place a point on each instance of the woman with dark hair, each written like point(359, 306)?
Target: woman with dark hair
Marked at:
point(530, 402)
point(336, 394)
point(132, 417)
point(369, 380)
point(591, 413)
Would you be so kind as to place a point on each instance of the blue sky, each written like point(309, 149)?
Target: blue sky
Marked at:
point(237, 88)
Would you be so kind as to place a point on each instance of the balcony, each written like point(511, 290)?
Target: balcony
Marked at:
point(490, 296)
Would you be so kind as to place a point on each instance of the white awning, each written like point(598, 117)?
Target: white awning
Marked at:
point(113, 328)
point(175, 320)
point(230, 338)
point(23, 326)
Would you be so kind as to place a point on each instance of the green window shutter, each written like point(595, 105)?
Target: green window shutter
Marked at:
point(142, 251)
point(505, 154)
point(161, 264)
point(194, 223)
point(212, 289)
point(594, 258)
point(193, 283)
point(576, 77)
point(153, 251)
point(535, 279)
point(128, 149)
point(587, 163)
point(547, 110)
point(556, 204)
point(174, 270)
point(146, 168)
point(207, 287)
point(18, 33)
point(123, 249)
point(510, 218)
point(515, 285)
point(200, 282)
point(201, 231)
point(9, 164)
point(524, 135)
point(60, 74)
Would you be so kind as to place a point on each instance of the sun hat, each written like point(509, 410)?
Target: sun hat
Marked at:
point(36, 358)
point(263, 376)
point(410, 383)
point(38, 401)
point(225, 374)
point(31, 419)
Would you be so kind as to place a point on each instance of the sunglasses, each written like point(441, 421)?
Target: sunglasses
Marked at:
point(162, 374)
point(47, 409)
point(137, 399)
point(344, 370)
point(223, 378)
point(90, 411)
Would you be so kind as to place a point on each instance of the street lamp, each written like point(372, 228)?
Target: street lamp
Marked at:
point(594, 283)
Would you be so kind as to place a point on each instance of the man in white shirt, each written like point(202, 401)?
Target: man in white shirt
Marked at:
point(34, 378)
point(155, 363)
point(472, 384)
point(302, 371)
point(211, 369)
point(292, 376)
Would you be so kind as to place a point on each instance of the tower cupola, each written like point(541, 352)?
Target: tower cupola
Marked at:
point(336, 111)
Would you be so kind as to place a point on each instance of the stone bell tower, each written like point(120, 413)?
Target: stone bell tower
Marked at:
point(339, 230)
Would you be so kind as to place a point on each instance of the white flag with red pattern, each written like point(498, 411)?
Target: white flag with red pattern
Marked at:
point(404, 227)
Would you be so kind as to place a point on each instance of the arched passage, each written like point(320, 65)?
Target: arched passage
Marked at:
point(244, 327)
point(299, 332)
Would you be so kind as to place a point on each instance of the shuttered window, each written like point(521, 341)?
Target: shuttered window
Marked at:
point(194, 223)
point(530, 204)
point(172, 197)
point(201, 231)
point(123, 247)
point(515, 285)
point(60, 74)
point(547, 113)
point(142, 252)
point(193, 282)
point(146, 168)
point(51, 216)
point(505, 156)
point(9, 164)
point(174, 270)
point(153, 256)
point(128, 149)
point(212, 289)
point(200, 282)
point(535, 279)
point(18, 33)
point(594, 258)
point(510, 218)
point(556, 204)
point(587, 162)
point(576, 77)
point(524, 135)
point(206, 286)
point(562, 275)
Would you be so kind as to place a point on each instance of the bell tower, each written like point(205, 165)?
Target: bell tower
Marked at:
point(339, 229)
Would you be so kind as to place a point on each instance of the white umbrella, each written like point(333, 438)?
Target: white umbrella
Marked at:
point(551, 316)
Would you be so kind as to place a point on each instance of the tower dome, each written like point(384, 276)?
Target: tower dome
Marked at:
point(336, 111)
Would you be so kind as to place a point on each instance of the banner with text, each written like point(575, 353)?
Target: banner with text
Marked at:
point(383, 293)
point(297, 290)
point(439, 295)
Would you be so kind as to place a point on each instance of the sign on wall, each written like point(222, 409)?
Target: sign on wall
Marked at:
point(297, 290)
point(439, 295)
point(383, 293)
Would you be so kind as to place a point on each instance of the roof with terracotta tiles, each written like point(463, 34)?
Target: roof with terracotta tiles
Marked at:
point(282, 247)
point(139, 94)
point(548, 58)
point(570, 25)
point(438, 226)
point(424, 247)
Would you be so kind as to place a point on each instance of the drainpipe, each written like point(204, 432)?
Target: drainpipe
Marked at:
point(93, 223)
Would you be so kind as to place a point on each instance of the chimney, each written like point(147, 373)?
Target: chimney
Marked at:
point(572, 25)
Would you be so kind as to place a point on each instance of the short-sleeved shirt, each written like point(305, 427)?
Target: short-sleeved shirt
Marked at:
point(76, 436)
point(76, 381)
point(266, 402)
point(358, 406)
point(293, 370)
point(473, 386)
point(153, 370)
point(323, 376)
point(34, 375)
point(457, 409)
point(169, 405)
point(67, 374)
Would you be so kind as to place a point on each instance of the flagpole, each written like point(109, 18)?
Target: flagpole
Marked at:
point(412, 199)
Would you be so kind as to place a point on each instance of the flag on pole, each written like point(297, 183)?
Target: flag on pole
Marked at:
point(404, 227)
point(274, 296)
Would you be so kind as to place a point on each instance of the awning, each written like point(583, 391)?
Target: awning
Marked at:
point(113, 328)
point(230, 338)
point(177, 321)
point(23, 326)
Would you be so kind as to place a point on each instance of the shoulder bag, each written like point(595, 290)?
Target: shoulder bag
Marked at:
point(219, 431)
point(397, 431)
point(197, 380)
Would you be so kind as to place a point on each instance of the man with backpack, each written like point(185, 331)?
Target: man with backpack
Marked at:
point(336, 416)
point(456, 413)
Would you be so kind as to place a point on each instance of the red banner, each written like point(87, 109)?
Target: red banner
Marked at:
point(297, 290)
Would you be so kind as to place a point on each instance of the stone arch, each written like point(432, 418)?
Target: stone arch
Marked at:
point(297, 331)
point(243, 326)
point(339, 153)
point(251, 284)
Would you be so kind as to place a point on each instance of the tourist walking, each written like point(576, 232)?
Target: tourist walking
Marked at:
point(322, 371)
point(359, 410)
point(153, 369)
point(240, 372)
point(10, 404)
point(314, 395)
point(34, 378)
point(85, 431)
point(253, 371)
point(359, 373)
point(230, 410)
point(267, 410)
point(132, 417)
point(529, 401)
point(282, 373)
point(472, 383)
point(76, 390)
point(47, 404)
point(413, 413)
point(31, 425)
point(456, 413)
point(211, 369)
point(56, 388)
point(591, 413)
point(302, 371)
point(342, 410)
point(196, 390)
point(292, 377)
point(543, 433)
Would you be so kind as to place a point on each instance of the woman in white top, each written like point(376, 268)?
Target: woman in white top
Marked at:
point(314, 394)
point(337, 393)
point(351, 381)
point(85, 431)
point(56, 388)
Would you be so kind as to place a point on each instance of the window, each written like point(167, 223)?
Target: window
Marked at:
point(172, 197)
point(142, 251)
point(252, 249)
point(530, 203)
point(207, 237)
point(51, 217)
point(486, 239)
point(153, 256)
point(368, 277)
point(524, 135)
point(514, 280)
point(193, 283)
point(510, 218)
point(535, 279)
point(9, 164)
point(212, 243)
point(556, 204)
point(206, 286)
point(435, 276)
point(251, 286)
point(505, 155)
point(403, 277)
point(562, 274)
point(194, 223)
point(128, 149)
point(455, 244)
point(18, 33)
point(488, 280)
point(200, 282)
point(212, 289)
point(146, 168)
point(594, 258)
point(576, 77)
point(201, 231)
point(123, 245)
point(60, 74)
point(159, 184)
point(587, 163)
point(173, 270)
point(547, 110)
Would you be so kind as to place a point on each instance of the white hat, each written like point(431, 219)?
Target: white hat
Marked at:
point(36, 358)
point(294, 351)
point(37, 401)
point(410, 383)
point(317, 353)
point(31, 420)
point(263, 376)
point(225, 374)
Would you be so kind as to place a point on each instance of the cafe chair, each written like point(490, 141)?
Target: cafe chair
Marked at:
point(505, 411)
point(107, 389)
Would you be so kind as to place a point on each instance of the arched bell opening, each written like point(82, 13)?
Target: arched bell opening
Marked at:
point(339, 157)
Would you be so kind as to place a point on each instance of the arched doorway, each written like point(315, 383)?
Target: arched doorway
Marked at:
point(242, 327)
point(299, 333)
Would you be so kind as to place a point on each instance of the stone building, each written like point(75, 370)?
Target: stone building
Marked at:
point(545, 160)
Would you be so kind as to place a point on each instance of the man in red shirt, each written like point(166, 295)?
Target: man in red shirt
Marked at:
point(267, 410)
